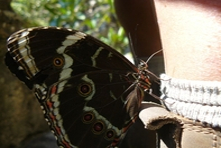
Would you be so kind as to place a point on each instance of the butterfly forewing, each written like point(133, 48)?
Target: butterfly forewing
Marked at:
point(81, 83)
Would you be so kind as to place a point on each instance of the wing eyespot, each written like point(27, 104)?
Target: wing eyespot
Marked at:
point(58, 62)
point(85, 89)
point(88, 117)
point(110, 134)
point(98, 127)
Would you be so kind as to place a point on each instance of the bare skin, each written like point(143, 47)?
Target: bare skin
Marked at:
point(191, 38)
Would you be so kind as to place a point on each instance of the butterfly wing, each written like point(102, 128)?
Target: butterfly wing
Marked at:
point(81, 83)
point(88, 109)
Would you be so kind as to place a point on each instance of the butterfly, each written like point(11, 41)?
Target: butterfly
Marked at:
point(90, 94)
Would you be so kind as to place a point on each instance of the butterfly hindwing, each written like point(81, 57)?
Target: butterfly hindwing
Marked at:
point(95, 109)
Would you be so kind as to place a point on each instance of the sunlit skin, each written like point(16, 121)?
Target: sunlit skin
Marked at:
point(191, 34)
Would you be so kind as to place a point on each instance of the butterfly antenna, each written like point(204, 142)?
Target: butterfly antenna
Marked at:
point(132, 48)
point(153, 55)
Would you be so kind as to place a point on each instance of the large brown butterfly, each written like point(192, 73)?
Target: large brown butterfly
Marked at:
point(90, 93)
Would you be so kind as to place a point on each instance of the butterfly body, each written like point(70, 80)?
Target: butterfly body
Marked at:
point(85, 88)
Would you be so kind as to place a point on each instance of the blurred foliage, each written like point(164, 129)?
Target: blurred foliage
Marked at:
point(94, 17)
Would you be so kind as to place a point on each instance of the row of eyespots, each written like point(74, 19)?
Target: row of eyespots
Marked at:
point(98, 126)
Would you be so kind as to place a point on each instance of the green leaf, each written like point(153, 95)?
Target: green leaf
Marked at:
point(95, 17)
